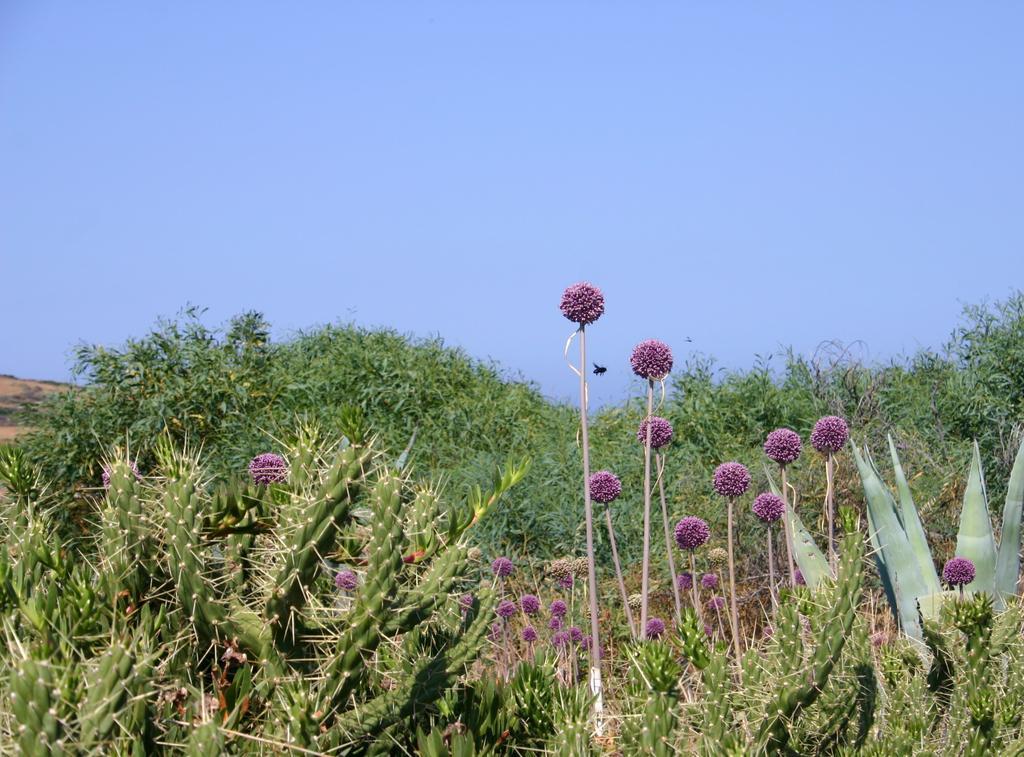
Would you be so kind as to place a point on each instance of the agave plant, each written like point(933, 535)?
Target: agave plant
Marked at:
point(904, 559)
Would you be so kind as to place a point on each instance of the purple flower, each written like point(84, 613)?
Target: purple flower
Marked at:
point(582, 303)
point(529, 634)
point(605, 486)
point(731, 479)
point(768, 632)
point(798, 578)
point(466, 602)
point(576, 634)
point(131, 465)
point(558, 609)
point(783, 446)
point(692, 532)
point(768, 507)
point(709, 581)
point(565, 582)
point(529, 604)
point(502, 567)
point(655, 628)
point(555, 624)
point(651, 359)
point(661, 432)
point(879, 638)
point(830, 434)
point(497, 631)
point(560, 639)
point(716, 603)
point(709, 630)
point(268, 468)
point(506, 608)
point(346, 580)
point(958, 571)
point(684, 581)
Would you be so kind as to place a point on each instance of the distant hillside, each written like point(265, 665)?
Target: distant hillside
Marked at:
point(15, 395)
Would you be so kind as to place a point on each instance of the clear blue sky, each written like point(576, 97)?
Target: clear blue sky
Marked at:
point(746, 174)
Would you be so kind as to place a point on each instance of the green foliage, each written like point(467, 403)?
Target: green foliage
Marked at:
point(234, 393)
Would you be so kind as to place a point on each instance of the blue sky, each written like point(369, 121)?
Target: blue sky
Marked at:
point(749, 175)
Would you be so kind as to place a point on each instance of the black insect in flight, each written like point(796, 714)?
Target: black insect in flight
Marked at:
point(599, 369)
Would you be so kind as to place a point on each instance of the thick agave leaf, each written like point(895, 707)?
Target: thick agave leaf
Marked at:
point(911, 522)
point(890, 541)
point(809, 558)
point(1008, 558)
point(975, 540)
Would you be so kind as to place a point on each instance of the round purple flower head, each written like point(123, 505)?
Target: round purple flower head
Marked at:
point(716, 603)
point(576, 634)
point(106, 473)
point(692, 532)
point(496, 631)
point(268, 468)
point(502, 567)
point(529, 634)
point(768, 632)
point(530, 604)
point(466, 602)
point(346, 580)
point(783, 446)
point(879, 638)
point(768, 507)
point(684, 581)
point(958, 571)
point(558, 609)
point(605, 486)
point(830, 434)
point(798, 578)
point(655, 628)
point(651, 359)
point(555, 624)
point(582, 303)
point(709, 581)
point(506, 608)
point(731, 479)
point(565, 582)
point(661, 432)
point(560, 639)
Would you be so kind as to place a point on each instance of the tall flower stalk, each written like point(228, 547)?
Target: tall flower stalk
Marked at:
point(784, 446)
point(605, 488)
point(583, 303)
point(731, 481)
point(692, 532)
point(770, 508)
point(651, 360)
point(829, 435)
point(660, 432)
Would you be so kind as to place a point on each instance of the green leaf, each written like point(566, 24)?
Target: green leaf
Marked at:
point(975, 540)
point(1008, 558)
point(897, 563)
point(912, 524)
point(808, 556)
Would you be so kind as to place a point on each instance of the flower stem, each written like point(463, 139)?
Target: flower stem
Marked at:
point(732, 590)
point(771, 572)
point(618, 570)
point(693, 588)
point(595, 643)
point(668, 538)
point(645, 581)
point(787, 527)
point(829, 511)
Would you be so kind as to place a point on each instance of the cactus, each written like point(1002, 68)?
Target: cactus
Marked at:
point(223, 594)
